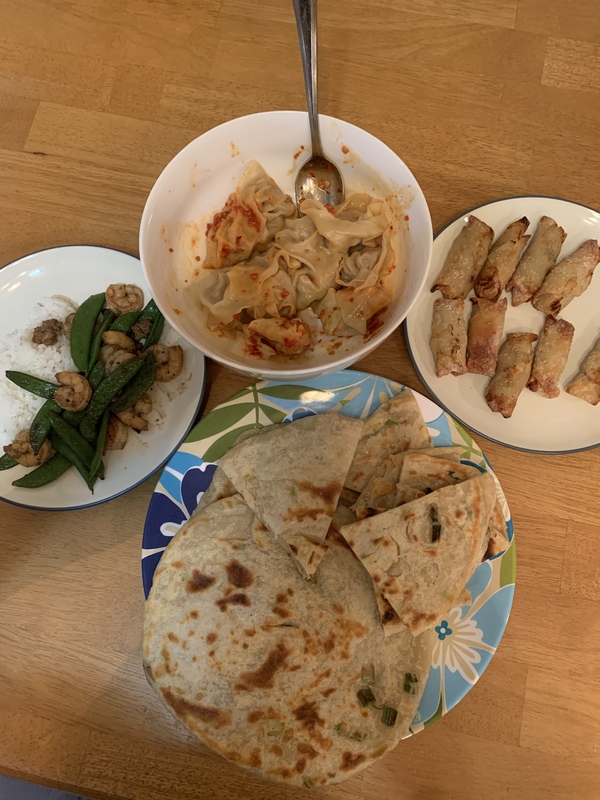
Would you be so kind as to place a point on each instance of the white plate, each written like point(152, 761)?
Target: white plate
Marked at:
point(562, 425)
point(77, 272)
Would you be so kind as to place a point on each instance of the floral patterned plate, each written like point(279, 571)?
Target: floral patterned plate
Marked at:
point(468, 635)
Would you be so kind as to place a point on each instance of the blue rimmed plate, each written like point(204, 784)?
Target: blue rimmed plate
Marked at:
point(75, 272)
point(468, 636)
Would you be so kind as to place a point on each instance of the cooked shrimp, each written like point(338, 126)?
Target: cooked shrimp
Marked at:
point(116, 434)
point(143, 405)
point(116, 358)
point(22, 451)
point(106, 352)
point(124, 297)
point(47, 332)
point(169, 361)
point(133, 420)
point(75, 392)
point(119, 340)
point(68, 324)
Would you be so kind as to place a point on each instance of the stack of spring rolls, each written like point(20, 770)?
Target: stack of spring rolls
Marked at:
point(526, 266)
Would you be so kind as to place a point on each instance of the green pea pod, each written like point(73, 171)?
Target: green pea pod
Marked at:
point(151, 311)
point(82, 330)
point(137, 387)
point(156, 332)
point(105, 394)
point(41, 425)
point(125, 322)
point(7, 462)
point(44, 474)
point(95, 377)
point(32, 384)
point(73, 417)
point(96, 464)
point(73, 439)
point(97, 340)
point(61, 447)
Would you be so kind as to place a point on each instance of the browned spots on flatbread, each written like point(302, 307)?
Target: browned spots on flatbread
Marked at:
point(184, 644)
point(237, 599)
point(199, 582)
point(281, 612)
point(311, 643)
point(193, 614)
point(328, 692)
point(329, 643)
point(194, 659)
point(283, 771)
point(281, 598)
point(307, 750)
point(351, 760)
point(211, 637)
point(294, 549)
point(238, 575)
point(290, 592)
point(276, 750)
point(184, 708)
point(260, 526)
point(460, 513)
point(300, 765)
point(288, 734)
point(255, 716)
point(263, 677)
point(250, 631)
point(338, 608)
point(378, 540)
point(178, 564)
point(421, 616)
point(308, 716)
point(388, 616)
point(295, 668)
point(255, 760)
point(302, 513)
point(329, 493)
point(211, 653)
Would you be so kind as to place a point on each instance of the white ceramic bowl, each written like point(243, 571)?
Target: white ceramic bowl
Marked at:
point(196, 184)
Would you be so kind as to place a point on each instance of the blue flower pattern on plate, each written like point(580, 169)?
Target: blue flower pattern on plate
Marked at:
point(443, 630)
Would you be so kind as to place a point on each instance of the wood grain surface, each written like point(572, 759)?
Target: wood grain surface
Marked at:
point(482, 99)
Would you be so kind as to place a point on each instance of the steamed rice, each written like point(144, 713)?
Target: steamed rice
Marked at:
point(17, 352)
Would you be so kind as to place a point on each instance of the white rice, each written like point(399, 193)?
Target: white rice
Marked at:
point(17, 352)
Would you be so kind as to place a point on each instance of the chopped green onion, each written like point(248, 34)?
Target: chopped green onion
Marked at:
point(357, 736)
point(365, 697)
point(390, 423)
point(388, 716)
point(409, 679)
point(436, 528)
point(367, 675)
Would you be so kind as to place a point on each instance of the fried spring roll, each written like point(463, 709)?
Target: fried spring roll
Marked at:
point(550, 357)
point(585, 389)
point(590, 366)
point(485, 334)
point(512, 373)
point(568, 279)
point(449, 337)
point(464, 260)
point(538, 260)
point(502, 260)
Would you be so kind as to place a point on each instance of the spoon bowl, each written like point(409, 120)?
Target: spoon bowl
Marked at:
point(319, 179)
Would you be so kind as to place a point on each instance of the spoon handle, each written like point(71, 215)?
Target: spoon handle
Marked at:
point(306, 21)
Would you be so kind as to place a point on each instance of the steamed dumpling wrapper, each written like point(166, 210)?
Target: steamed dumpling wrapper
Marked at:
point(292, 477)
point(252, 216)
point(348, 311)
point(266, 668)
point(360, 219)
point(422, 554)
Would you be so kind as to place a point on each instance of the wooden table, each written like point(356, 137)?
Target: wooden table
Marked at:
point(482, 99)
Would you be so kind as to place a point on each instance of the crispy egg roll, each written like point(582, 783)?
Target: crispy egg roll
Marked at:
point(538, 260)
point(502, 260)
point(449, 337)
point(512, 373)
point(590, 366)
point(568, 279)
point(581, 386)
point(550, 357)
point(464, 260)
point(484, 335)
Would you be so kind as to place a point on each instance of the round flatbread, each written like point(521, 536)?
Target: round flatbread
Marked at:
point(269, 669)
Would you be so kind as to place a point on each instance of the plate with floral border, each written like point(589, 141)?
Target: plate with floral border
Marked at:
point(467, 636)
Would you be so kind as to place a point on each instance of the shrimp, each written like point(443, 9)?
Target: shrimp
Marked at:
point(115, 359)
point(169, 361)
point(119, 340)
point(132, 417)
point(116, 434)
point(75, 392)
point(124, 297)
point(22, 451)
point(68, 324)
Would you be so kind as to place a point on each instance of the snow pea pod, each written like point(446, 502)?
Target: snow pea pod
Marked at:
point(105, 394)
point(7, 462)
point(156, 332)
point(72, 438)
point(44, 474)
point(96, 376)
point(125, 322)
point(97, 340)
point(41, 425)
point(96, 466)
point(137, 387)
point(32, 384)
point(82, 330)
point(61, 447)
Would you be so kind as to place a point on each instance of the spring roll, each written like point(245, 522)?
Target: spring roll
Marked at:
point(502, 260)
point(485, 334)
point(590, 366)
point(550, 356)
point(464, 260)
point(512, 373)
point(585, 389)
point(538, 260)
point(568, 279)
point(449, 337)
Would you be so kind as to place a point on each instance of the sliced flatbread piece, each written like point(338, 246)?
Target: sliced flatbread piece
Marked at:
point(396, 426)
point(422, 554)
point(421, 475)
point(292, 475)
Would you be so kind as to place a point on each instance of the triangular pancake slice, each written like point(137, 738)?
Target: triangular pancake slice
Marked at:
point(396, 426)
point(291, 476)
point(422, 554)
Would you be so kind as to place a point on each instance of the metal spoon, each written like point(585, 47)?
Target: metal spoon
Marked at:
point(318, 178)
